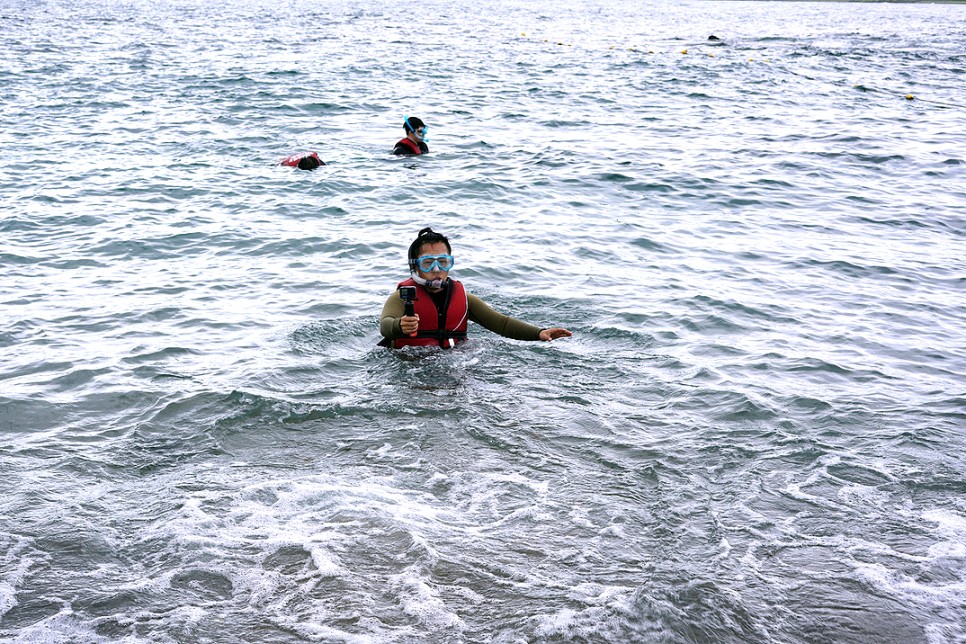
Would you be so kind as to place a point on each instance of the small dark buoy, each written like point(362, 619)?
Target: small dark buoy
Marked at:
point(713, 38)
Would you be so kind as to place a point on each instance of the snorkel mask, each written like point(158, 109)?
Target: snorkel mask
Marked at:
point(427, 263)
point(421, 132)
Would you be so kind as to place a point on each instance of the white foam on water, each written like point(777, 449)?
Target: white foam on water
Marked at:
point(944, 633)
point(190, 614)
point(8, 596)
point(939, 599)
point(65, 626)
point(420, 600)
point(485, 501)
point(326, 563)
point(950, 525)
point(438, 479)
point(314, 632)
point(948, 550)
point(601, 613)
point(951, 528)
point(614, 530)
point(17, 565)
point(899, 584)
point(280, 546)
point(579, 517)
point(937, 583)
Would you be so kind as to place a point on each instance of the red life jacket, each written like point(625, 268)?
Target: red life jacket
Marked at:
point(438, 329)
point(413, 147)
point(293, 161)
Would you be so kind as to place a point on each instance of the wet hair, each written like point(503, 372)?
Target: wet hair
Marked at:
point(426, 236)
point(414, 121)
point(309, 163)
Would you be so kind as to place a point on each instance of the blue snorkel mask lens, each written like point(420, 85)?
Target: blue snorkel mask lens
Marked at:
point(427, 263)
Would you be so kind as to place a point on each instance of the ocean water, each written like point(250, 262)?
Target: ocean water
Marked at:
point(756, 434)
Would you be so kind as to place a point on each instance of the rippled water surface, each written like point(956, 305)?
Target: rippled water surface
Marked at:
point(756, 433)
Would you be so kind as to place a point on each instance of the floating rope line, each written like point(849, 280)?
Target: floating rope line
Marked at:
point(908, 97)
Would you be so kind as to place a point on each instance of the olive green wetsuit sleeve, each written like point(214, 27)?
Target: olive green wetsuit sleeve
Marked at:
point(508, 327)
point(392, 310)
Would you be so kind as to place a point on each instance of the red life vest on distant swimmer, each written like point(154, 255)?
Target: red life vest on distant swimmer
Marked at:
point(294, 161)
point(437, 329)
point(410, 144)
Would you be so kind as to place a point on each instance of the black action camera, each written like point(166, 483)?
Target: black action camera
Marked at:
point(408, 295)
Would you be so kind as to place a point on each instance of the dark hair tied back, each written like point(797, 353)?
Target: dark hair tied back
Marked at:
point(426, 236)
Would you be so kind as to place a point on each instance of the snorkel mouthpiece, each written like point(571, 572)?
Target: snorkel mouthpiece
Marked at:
point(428, 283)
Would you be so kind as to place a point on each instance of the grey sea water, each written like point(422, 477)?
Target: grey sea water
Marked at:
point(756, 433)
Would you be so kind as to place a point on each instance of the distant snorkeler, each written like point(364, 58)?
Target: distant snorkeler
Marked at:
point(303, 161)
point(430, 309)
point(415, 141)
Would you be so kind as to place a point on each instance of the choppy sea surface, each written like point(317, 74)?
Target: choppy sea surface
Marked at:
point(756, 434)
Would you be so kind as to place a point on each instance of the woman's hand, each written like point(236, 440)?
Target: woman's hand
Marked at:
point(409, 324)
point(552, 334)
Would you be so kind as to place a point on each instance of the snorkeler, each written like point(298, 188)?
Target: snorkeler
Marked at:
point(415, 141)
point(303, 161)
point(432, 309)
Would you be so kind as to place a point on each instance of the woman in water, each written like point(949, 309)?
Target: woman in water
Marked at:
point(441, 306)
